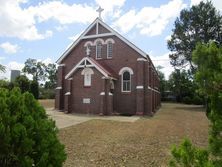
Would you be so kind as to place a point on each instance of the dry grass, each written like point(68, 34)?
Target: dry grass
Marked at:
point(47, 103)
point(146, 142)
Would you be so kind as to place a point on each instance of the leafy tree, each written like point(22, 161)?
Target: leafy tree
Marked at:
point(208, 58)
point(23, 83)
point(51, 76)
point(34, 89)
point(200, 23)
point(2, 68)
point(181, 84)
point(27, 136)
point(4, 84)
point(163, 81)
point(36, 69)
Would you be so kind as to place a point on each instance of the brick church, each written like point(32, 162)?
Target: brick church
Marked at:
point(104, 73)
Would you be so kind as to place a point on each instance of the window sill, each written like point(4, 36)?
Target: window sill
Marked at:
point(126, 92)
point(86, 86)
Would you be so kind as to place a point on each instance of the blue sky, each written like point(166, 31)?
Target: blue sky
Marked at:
point(44, 29)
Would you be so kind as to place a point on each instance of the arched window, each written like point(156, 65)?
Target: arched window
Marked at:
point(109, 49)
point(126, 74)
point(87, 72)
point(98, 50)
point(126, 82)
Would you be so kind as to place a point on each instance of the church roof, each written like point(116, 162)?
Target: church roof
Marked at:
point(90, 62)
point(85, 36)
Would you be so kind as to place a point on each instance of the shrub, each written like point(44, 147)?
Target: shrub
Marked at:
point(187, 155)
point(34, 89)
point(23, 83)
point(27, 136)
point(46, 93)
point(187, 100)
point(197, 100)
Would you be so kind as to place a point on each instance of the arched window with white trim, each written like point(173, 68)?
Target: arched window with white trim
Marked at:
point(126, 81)
point(87, 72)
point(98, 50)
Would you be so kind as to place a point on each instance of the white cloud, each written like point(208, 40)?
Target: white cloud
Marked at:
point(150, 21)
point(9, 48)
point(163, 61)
point(61, 28)
point(62, 12)
point(47, 61)
point(20, 22)
point(17, 22)
point(111, 7)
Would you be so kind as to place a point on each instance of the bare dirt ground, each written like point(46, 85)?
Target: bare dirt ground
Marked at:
point(146, 142)
point(47, 103)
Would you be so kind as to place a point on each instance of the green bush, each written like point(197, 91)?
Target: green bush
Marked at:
point(187, 155)
point(197, 100)
point(187, 100)
point(27, 136)
point(46, 93)
point(34, 89)
point(23, 83)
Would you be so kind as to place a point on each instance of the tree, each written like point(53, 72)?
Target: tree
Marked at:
point(23, 83)
point(208, 59)
point(51, 76)
point(2, 68)
point(34, 89)
point(36, 69)
point(181, 84)
point(163, 81)
point(200, 23)
point(27, 136)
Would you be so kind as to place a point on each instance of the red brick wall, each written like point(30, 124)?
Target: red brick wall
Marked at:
point(123, 56)
point(79, 92)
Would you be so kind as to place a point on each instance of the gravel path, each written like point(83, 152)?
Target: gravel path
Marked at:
point(65, 120)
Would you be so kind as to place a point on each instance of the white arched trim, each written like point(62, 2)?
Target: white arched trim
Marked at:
point(87, 71)
point(109, 40)
point(122, 70)
point(99, 40)
point(88, 43)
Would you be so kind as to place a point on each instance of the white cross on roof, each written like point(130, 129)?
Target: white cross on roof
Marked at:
point(99, 10)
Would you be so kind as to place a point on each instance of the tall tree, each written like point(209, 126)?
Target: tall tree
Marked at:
point(163, 81)
point(181, 84)
point(36, 68)
point(208, 58)
point(200, 23)
point(51, 76)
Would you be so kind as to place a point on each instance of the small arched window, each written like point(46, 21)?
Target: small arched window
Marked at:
point(126, 74)
point(87, 72)
point(126, 82)
point(98, 50)
point(109, 49)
